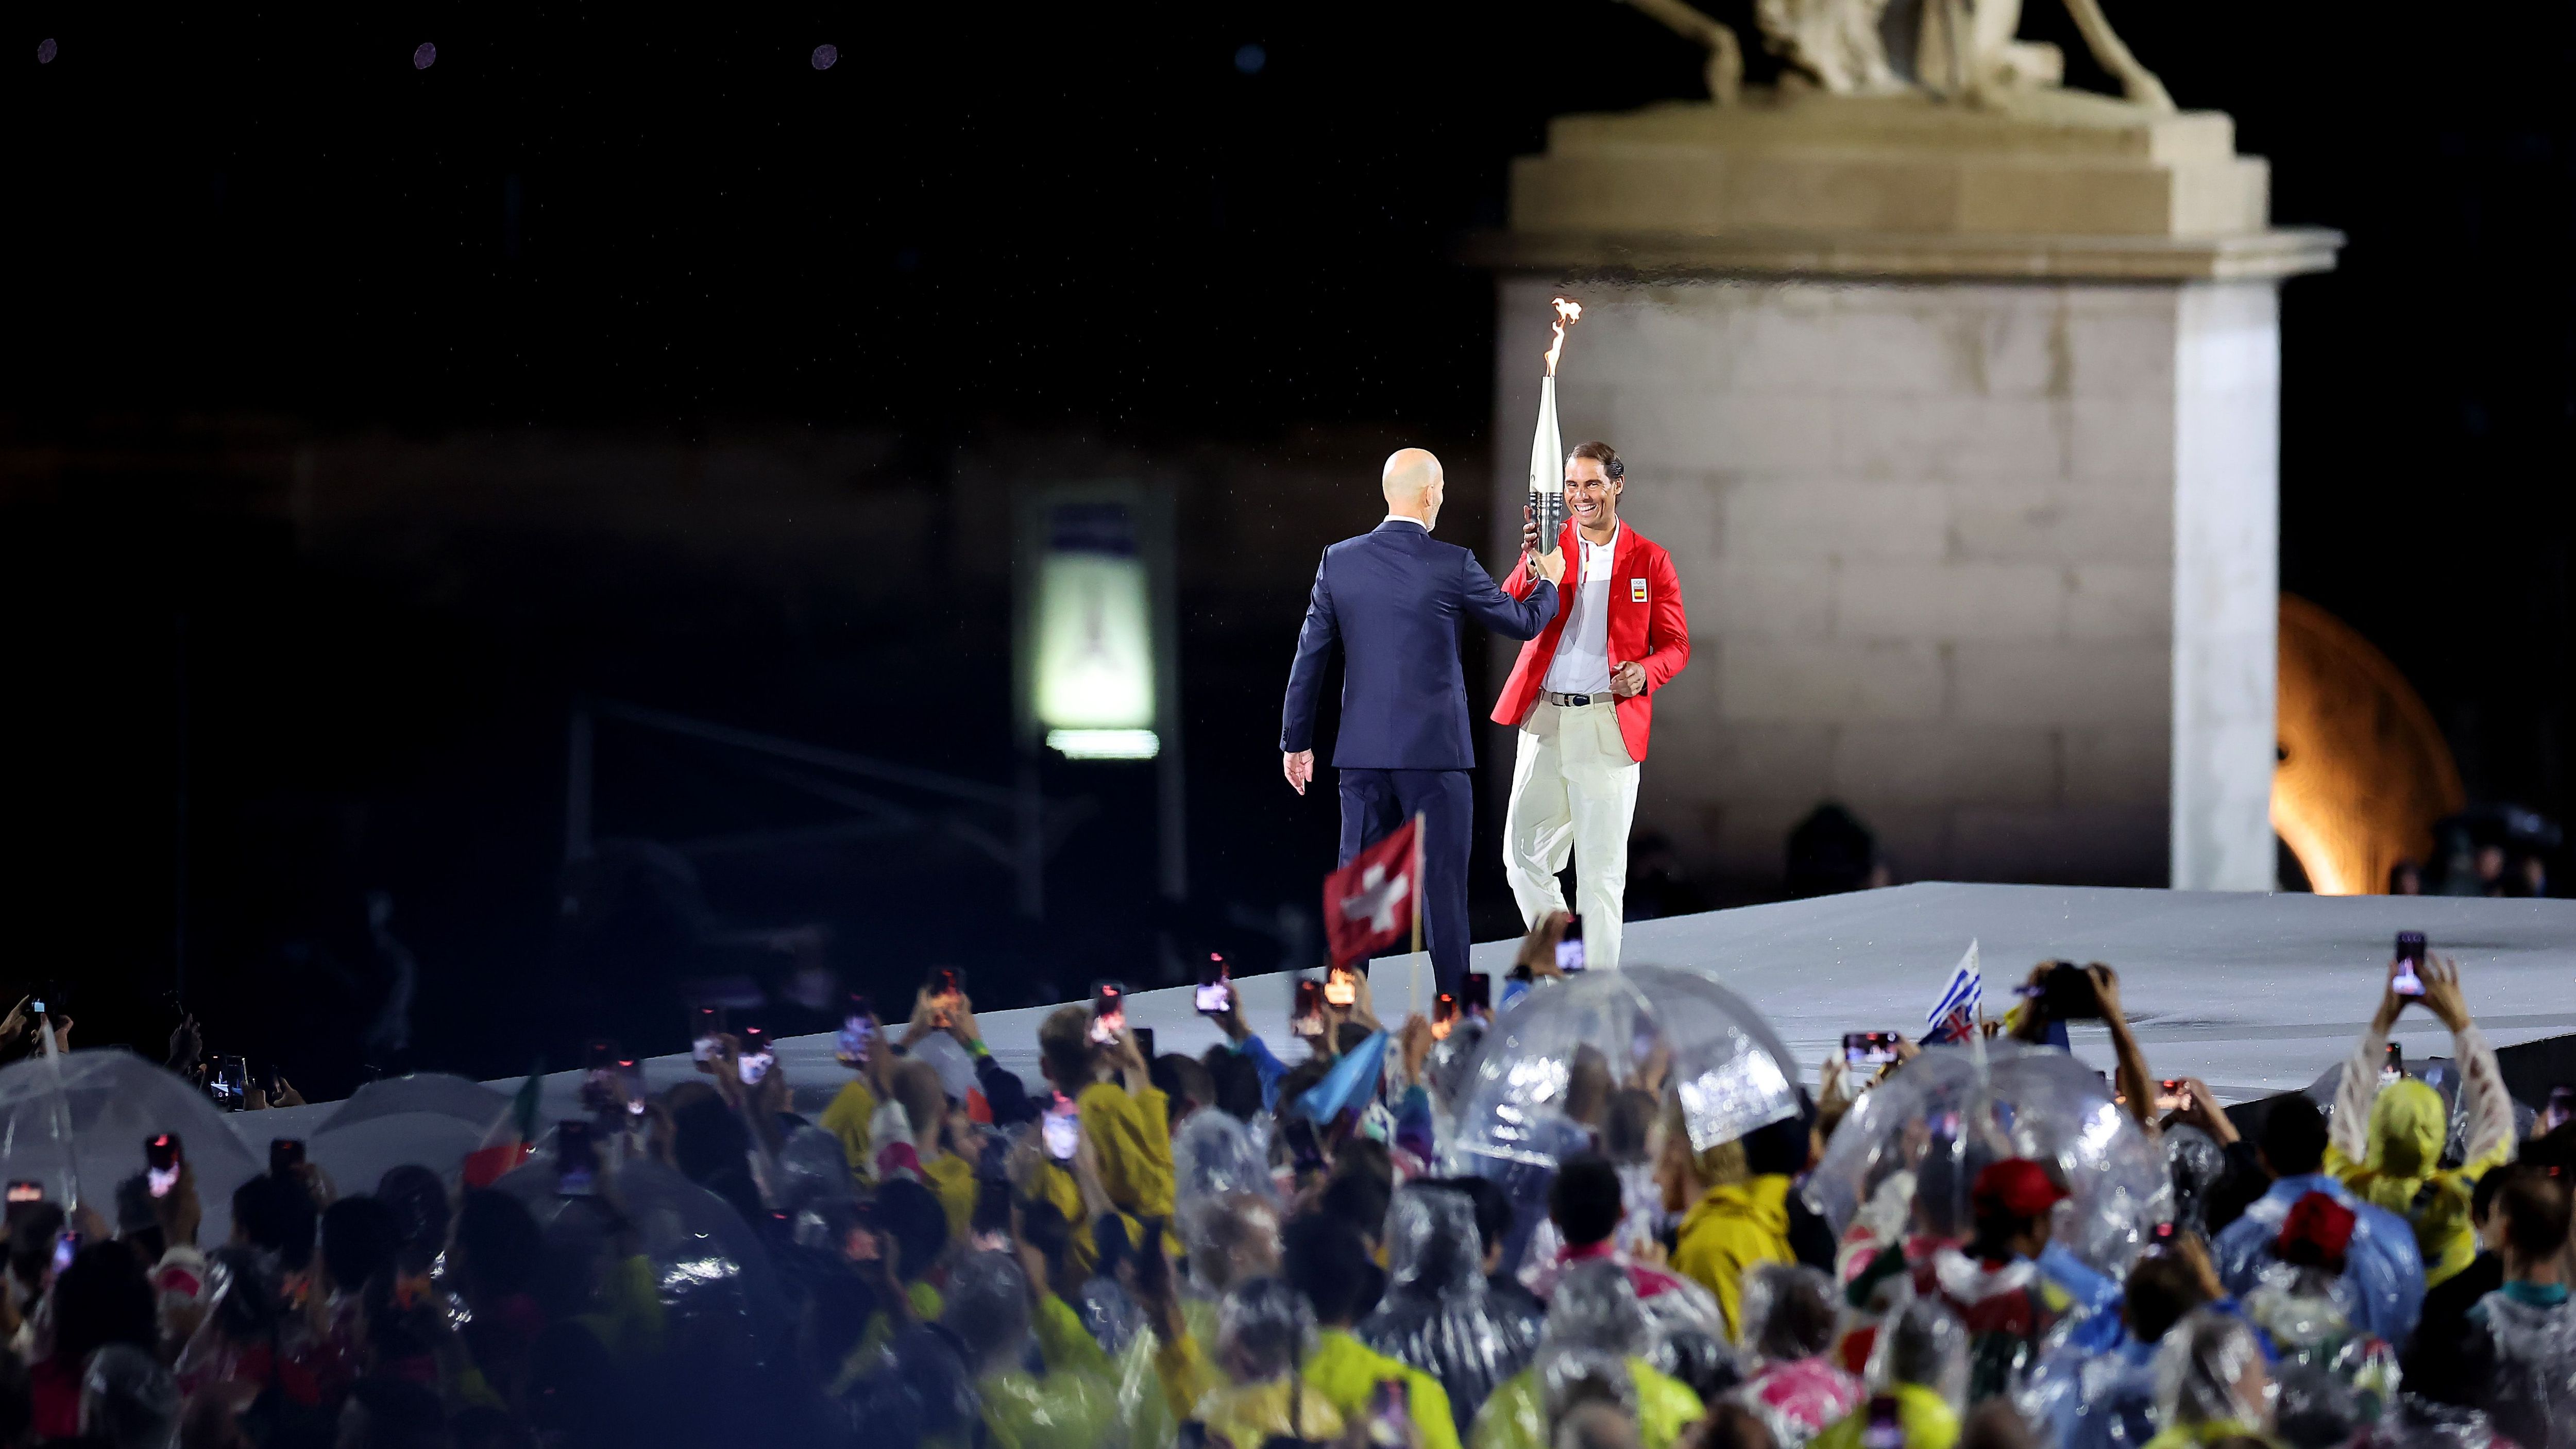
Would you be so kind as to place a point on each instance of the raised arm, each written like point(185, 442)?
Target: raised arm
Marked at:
point(1513, 618)
point(1523, 578)
point(2135, 1085)
point(2488, 1107)
point(2348, 1131)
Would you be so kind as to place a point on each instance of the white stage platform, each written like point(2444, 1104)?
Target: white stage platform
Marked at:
point(2254, 994)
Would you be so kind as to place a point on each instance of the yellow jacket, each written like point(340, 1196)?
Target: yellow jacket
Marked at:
point(1059, 1411)
point(879, 1331)
point(1187, 1376)
point(1928, 1419)
point(1145, 1378)
point(1249, 1415)
point(1133, 1138)
point(847, 1118)
point(2402, 1173)
point(1734, 1226)
point(1516, 1416)
point(626, 1316)
point(951, 1179)
point(1346, 1372)
point(1057, 1187)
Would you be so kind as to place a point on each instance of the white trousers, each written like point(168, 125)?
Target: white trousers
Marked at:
point(1574, 792)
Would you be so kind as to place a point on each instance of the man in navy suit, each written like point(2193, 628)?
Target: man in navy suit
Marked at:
point(1393, 599)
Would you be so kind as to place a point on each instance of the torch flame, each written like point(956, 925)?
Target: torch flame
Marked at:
point(1565, 312)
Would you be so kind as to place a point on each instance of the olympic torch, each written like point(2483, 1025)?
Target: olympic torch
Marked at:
point(1547, 448)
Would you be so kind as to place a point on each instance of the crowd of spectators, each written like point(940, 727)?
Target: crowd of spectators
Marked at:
point(1242, 1250)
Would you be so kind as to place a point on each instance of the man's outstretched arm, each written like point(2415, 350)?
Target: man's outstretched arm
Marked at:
point(1514, 618)
point(1315, 643)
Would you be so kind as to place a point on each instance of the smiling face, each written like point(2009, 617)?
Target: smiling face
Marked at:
point(1591, 496)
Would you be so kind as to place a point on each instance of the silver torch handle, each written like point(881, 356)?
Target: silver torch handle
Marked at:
point(1547, 508)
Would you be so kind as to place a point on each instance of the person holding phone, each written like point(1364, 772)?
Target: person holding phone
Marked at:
point(1247, 1043)
point(862, 1051)
point(2386, 1142)
point(944, 1008)
point(1124, 1116)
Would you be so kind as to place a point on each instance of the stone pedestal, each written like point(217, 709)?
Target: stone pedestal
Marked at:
point(1962, 428)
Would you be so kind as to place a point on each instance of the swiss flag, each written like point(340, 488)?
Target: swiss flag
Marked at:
point(1369, 903)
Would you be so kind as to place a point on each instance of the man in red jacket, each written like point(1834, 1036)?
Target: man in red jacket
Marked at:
point(1581, 695)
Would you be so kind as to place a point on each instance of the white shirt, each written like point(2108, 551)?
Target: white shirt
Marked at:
point(1400, 518)
point(1582, 663)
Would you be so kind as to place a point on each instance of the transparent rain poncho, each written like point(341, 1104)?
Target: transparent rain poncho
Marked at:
point(1436, 1314)
point(1790, 1324)
point(2313, 1317)
point(76, 1124)
point(2531, 1367)
point(2381, 1288)
point(2194, 1163)
point(2313, 1408)
point(128, 1399)
point(2209, 1371)
point(1219, 1173)
point(1216, 1156)
point(1537, 1087)
point(808, 1170)
point(2419, 1423)
point(1927, 1131)
point(719, 1291)
point(246, 1316)
point(1596, 1332)
point(1264, 1332)
point(1924, 1344)
point(988, 1309)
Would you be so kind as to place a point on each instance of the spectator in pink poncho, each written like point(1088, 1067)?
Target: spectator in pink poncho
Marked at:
point(1791, 1381)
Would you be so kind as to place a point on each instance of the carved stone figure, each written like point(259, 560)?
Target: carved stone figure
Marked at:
point(1957, 49)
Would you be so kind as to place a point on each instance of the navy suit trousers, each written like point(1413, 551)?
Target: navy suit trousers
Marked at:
point(1375, 805)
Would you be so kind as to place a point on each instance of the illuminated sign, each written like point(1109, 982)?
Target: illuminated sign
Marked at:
point(1093, 635)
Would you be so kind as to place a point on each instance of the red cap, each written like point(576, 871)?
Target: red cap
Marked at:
point(2018, 1186)
point(2316, 1232)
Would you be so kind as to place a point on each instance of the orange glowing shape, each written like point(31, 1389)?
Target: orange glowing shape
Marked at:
point(1565, 312)
point(2363, 771)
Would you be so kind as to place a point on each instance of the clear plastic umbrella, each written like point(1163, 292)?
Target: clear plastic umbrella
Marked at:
point(1545, 1082)
point(1718, 1053)
point(429, 1093)
point(1923, 1135)
point(357, 1155)
point(76, 1123)
point(709, 1265)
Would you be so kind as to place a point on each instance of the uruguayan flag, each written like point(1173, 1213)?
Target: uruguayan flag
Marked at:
point(1954, 1017)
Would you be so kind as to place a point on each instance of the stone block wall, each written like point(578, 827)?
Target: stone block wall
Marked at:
point(1928, 535)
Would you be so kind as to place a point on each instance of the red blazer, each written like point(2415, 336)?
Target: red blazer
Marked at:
point(1647, 626)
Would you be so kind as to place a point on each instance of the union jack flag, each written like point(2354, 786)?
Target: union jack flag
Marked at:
point(1954, 1016)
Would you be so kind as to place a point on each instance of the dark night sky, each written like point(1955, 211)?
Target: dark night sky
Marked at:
point(1108, 218)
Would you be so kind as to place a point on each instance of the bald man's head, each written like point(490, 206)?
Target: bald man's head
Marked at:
point(1413, 482)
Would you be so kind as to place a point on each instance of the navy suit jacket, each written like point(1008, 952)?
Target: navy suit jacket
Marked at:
point(1393, 599)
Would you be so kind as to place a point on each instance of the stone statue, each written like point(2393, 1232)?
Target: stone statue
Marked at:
point(1954, 49)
